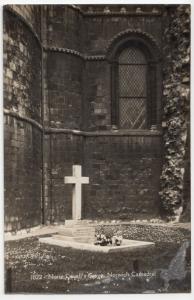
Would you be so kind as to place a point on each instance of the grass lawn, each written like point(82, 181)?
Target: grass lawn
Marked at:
point(40, 268)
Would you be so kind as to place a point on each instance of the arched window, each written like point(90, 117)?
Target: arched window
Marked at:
point(132, 89)
point(134, 58)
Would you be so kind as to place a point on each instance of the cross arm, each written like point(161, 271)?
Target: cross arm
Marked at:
point(85, 180)
point(69, 179)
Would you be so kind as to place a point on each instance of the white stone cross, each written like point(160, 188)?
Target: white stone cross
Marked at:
point(77, 180)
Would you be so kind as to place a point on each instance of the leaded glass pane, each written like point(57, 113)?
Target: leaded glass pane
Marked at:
point(132, 80)
point(132, 71)
point(132, 56)
point(133, 113)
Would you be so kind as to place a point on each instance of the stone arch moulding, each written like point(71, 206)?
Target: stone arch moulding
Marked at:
point(148, 45)
point(129, 35)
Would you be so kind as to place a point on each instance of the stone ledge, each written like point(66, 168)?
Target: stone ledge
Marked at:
point(50, 130)
point(122, 14)
point(115, 13)
point(120, 132)
point(76, 53)
point(22, 118)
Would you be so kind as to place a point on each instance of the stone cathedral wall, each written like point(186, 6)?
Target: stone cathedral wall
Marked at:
point(124, 169)
point(123, 172)
point(30, 14)
point(22, 127)
point(63, 35)
point(101, 29)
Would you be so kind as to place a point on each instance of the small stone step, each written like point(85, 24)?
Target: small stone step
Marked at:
point(74, 235)
point(76, 223)
point(81, 239)
point(77, 231)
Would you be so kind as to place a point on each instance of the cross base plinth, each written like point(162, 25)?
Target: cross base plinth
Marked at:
point(79, 232)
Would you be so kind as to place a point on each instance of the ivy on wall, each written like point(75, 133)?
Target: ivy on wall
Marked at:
point(176, 107)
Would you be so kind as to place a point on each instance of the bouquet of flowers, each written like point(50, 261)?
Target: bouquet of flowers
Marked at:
point(117, 239)
point(107, 240)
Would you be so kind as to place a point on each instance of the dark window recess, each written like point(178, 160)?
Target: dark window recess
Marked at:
point(132, 89)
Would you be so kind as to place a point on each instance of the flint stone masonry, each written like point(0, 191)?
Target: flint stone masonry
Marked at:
point(22, 66)
point(23, 174)
point(174, 179)
point(30, 13)
point(22, 140)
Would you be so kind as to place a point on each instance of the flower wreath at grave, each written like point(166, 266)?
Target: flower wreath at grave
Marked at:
point(108, 240)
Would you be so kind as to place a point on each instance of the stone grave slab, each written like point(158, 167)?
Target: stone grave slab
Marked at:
point(127, 245)
point(78, 234)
